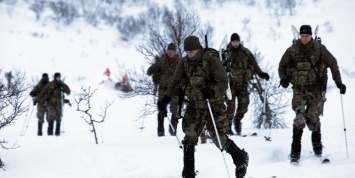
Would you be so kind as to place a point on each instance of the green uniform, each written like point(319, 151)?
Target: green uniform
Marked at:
point(305, 66)
point(42, 105)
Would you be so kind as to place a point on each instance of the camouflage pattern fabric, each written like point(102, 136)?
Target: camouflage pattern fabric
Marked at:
point(242, 94)
point(42, 105)
point(307, 106)
point(51, 94)
point(195, 119)
point(163, 70)
point(174, 100)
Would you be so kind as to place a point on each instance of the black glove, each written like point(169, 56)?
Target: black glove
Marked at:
point(162, 104)
point(284, 82)
point(342, 88)
point(207, 93)
point(32, 94)
point(264, 75)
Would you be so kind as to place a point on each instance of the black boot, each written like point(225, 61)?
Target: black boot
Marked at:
point(57, 128)
point(161, 131)
point(240, 159)
point(238, 126)
point(317, 143)
point(296, 145)
point(189, 162)
point(174, 122)
point(40, 125)
point(50, 127)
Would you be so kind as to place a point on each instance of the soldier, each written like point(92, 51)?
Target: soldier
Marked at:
point(305, 64)
point(163, 71)
point(53, 94)
point(243, 66)
point(42, 106)
point(204, 77)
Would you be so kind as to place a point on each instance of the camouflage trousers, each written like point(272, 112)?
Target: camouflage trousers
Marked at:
point(307, 106)
point(242, 94)
point(174, 100)
point(55, 112)
point(41, 111)
point(195, 119)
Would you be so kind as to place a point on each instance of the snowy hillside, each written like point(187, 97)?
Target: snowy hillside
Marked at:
point(82, 53)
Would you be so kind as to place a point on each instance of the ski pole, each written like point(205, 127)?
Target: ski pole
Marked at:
point(24, 129)
point(346, 142)
point(219, 140)
point(177, 138)
point(268, 138)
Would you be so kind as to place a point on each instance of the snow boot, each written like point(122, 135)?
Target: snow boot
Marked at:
point(174, 122)
point(238, 127)
point(316, 143)
point(40, 125)
point(296, 145)
point(189, 162)
point(50, 127)
point(161, 131)
point(240, 159)
point(57, 128)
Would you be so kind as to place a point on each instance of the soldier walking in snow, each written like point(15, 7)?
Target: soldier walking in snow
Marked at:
point(243, 66)
point(53, 94)
point(163, 71)
point(206, 80)
point(41, 106)
point(304, 65)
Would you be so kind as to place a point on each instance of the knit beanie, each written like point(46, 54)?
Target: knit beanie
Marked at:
point(235, 37)
point(172, 46)
point(306, 29)
point(44, 75)
point(57, 74)
point(192, 43)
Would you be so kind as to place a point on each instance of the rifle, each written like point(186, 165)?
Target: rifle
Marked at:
point(324, 89)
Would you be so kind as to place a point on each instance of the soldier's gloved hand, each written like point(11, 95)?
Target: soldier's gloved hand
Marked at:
point(32, 94)
point(342, 88)
point(207, 92)
point(162, 104)
point(284, 82)
point(264, 75)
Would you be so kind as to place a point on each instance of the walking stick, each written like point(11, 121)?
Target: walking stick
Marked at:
point(219, 140)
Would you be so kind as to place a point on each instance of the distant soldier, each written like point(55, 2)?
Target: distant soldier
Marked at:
point(304, 65)
point(41, 106)
point(9, 77)
point(162, 72)
point(53, 94)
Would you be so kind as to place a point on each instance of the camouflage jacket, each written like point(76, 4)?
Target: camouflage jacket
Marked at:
point(306, 65)
point(193, 74)
point(243, 64)
point(38, 88)
point(52, 92)
point(163, 70)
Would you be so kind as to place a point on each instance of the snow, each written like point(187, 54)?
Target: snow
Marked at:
point(125, 151)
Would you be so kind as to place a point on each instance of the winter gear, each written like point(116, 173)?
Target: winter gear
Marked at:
point(57, 128)
point(42, 105)
point(264, 75)
point(296, 144)
point(306, 29)
point(162, 104)
point(161, 131)
point(39, 133)
point(235, 37)
point(207, 93)
point(174, 122)
point(57, 74)
point(50, 127)
point(316, 143)
point(284, 82)
point(189, 162)
point(192, 43)
point(44, 75)
point(342, 88)
point(238, 126)
point(172, 46)
point(240, 159)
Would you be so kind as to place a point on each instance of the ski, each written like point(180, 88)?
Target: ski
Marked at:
point(296, 35)
point(245, 135)
point(221, 49)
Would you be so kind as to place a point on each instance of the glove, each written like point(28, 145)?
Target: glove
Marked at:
point(207, 93)
point(162, 104)
point(264, 75)
point(284, 82)
point(342, 88)
point(32, 94)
